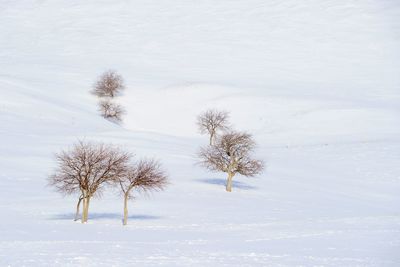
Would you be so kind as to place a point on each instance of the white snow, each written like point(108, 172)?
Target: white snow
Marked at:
point(316, 82)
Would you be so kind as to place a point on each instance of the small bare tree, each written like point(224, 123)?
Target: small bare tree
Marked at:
point(111, 111)
point(86, 168)
point(145, 176)
point(231, 154)
point(109, 84)
point(212, 121)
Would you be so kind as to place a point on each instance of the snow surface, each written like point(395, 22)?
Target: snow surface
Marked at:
point(316, 82)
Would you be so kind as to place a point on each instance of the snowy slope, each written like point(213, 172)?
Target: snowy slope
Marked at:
point(316, 82)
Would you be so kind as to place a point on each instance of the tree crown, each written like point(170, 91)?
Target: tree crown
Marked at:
point(87, 166)
point(109, 84)
point(212, 120)
point(231, 154)
point(145, 175)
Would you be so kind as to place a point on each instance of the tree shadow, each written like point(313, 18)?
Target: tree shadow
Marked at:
point(100, 216)
point(222, 182)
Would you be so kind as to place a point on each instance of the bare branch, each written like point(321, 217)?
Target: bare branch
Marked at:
point(212, 121)
point(87, 167)
point(231, 154)
point(109, 84)
point(111, 111)
point(145, 175)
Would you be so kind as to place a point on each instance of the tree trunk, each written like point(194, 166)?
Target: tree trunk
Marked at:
point(213, 136)
point(85, 212)
point(229, 182)
point(87, 209)
point(78, 208)
point(125, 222)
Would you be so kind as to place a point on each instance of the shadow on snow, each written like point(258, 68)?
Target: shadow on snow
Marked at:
point(222, 182)
point(99, 216)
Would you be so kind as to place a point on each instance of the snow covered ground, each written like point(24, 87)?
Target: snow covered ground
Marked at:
point(316, 82)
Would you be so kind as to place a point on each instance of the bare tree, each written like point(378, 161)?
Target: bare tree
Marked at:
point(109, 84)
point(86, 168)
point(212, 121)
point(111, 111)
point(231, 154)
point(145, 176)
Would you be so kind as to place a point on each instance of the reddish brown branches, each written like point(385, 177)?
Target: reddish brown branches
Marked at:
point(212, 121)
point(111, 111)
point(145, 175)
point(231, 154)
point(86, 168)
point(109, 84)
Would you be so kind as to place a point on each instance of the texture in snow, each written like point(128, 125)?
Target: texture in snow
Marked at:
point(316, 82)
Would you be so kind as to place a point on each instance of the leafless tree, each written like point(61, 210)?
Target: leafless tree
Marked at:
point(86, 168)
point(145, 176)
point(212, 121)
point(231, 154)
point(109, 84)
point(111, 111)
